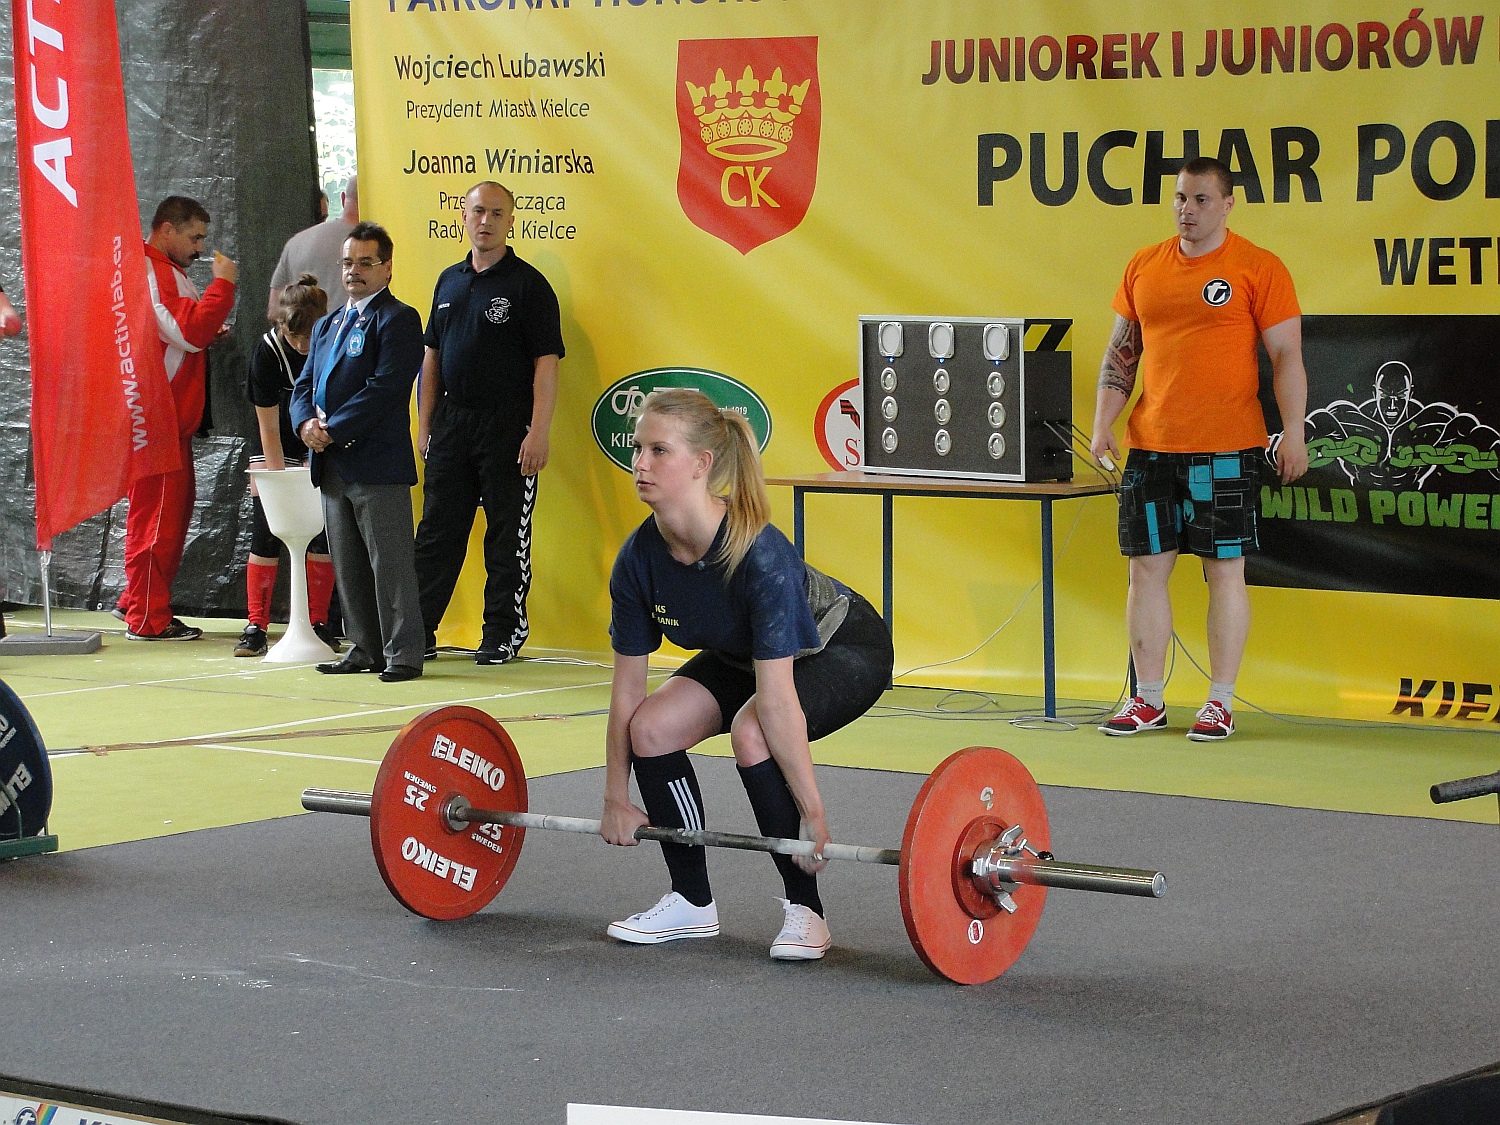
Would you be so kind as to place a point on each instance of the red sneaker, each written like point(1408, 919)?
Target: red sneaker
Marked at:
point(1214, 723)
point(1137, 716)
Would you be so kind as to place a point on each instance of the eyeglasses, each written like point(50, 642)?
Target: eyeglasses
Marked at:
point(347, 264)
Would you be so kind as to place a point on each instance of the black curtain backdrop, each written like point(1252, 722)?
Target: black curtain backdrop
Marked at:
point(219, 102)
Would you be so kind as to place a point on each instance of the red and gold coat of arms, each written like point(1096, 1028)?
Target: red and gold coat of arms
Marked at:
point(750, 114)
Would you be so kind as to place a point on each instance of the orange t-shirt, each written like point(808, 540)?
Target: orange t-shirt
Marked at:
point(1200, 321)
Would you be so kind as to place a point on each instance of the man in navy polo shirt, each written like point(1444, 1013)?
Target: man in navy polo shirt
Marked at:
point(489, 387)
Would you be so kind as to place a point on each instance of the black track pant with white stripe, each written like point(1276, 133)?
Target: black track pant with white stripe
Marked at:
point(472, 461)
point(669, 790)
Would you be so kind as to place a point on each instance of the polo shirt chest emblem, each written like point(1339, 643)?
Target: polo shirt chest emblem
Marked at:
point(1217, 292)
point(499, 310)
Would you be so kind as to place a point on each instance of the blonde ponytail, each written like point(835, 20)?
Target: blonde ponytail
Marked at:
point(736, 475)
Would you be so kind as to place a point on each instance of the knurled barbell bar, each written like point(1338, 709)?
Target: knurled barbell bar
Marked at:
point(1465, 788)
point(974, 849)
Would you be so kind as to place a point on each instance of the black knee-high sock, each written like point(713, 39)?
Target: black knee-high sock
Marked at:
point(669, 790)
point(776, 815)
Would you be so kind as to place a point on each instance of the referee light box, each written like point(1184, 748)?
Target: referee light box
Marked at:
point(987, 398)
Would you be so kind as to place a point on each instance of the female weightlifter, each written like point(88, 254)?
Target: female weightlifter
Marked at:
point(787, 655)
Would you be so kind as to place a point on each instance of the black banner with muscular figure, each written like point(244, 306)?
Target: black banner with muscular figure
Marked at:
point(1402, 494)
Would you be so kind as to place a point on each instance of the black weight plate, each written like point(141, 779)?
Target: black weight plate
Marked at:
point(25, 776)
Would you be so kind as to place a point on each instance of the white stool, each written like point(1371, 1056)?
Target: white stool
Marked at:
point(294, 512)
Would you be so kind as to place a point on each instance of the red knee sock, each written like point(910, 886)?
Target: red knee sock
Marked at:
point(260, 580)
point(319, 590)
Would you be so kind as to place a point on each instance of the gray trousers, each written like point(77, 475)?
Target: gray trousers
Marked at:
point(370, 537)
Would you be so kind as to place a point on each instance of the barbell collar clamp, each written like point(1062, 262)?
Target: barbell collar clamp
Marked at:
point(997, 869)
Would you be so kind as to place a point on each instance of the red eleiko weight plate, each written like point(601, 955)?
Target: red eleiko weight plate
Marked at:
point(955, 941)
point(433, 870)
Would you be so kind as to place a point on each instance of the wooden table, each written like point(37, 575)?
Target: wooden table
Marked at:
point(888, 487)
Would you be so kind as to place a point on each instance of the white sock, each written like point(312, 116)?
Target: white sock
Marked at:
point(1222, 694)
point(1151, 693)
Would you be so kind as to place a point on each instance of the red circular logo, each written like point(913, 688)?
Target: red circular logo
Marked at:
point(837, 426)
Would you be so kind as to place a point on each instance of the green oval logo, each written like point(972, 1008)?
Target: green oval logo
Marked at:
point(614, 413)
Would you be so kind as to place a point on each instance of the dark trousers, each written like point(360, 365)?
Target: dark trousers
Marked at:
point(369, 531)
point(472, 460)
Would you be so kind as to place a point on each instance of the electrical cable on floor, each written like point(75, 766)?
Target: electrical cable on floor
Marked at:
point(1091, 716)
point(987, 709)
point(1304, 721)
point(569, 661)
point(957, 659)
point(281, 736)
point(1027, 719)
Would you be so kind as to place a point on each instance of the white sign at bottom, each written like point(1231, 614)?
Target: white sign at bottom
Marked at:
point(29, 1111)
point(629, 1115)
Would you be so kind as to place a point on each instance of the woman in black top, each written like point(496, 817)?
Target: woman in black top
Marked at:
point(788, 655)
point(274, 367)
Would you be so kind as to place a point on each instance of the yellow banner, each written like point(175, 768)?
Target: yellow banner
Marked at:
point(725, 186)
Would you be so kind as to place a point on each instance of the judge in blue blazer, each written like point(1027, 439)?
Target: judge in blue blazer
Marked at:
point(352, 409)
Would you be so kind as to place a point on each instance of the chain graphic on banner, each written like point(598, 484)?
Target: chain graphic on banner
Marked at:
point(1455, 457)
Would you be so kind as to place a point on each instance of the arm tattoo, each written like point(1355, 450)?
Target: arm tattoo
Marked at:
point(1122, 357)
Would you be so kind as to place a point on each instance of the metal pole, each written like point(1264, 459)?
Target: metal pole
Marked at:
point(799, 535)
point(46, 558)
point(1041, 872)
point(887, 566)
point(1049, 650)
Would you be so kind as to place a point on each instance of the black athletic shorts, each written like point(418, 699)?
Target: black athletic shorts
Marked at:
point(835, 686)
point(1202, 503)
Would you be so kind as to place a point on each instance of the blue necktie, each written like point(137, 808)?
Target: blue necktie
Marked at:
point(334, 351)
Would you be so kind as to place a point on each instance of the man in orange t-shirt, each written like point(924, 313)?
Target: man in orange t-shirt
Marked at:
point(1189, 314)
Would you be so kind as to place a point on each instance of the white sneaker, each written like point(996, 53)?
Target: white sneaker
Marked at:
point(672, 918)
point(804, 934)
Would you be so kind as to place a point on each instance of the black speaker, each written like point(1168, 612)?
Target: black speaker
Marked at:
point(989, 398)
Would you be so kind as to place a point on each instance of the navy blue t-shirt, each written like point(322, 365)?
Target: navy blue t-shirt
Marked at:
point(761, 613)
point(489, 329)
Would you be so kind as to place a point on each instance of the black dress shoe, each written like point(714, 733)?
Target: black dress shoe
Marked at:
point(396, 673)
point(344, 667)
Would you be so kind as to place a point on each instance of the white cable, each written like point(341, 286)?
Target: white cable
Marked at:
point(1057, 557)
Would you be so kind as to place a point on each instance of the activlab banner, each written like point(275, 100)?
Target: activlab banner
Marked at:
point(725, 187)
point(101, 409)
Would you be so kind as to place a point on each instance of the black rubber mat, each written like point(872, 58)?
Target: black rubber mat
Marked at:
point(1300, 961)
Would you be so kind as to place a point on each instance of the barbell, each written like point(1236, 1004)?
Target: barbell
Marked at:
point(1464, 788)
point(449, 813)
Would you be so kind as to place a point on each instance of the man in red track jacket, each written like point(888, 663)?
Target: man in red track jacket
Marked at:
point(161, 506)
